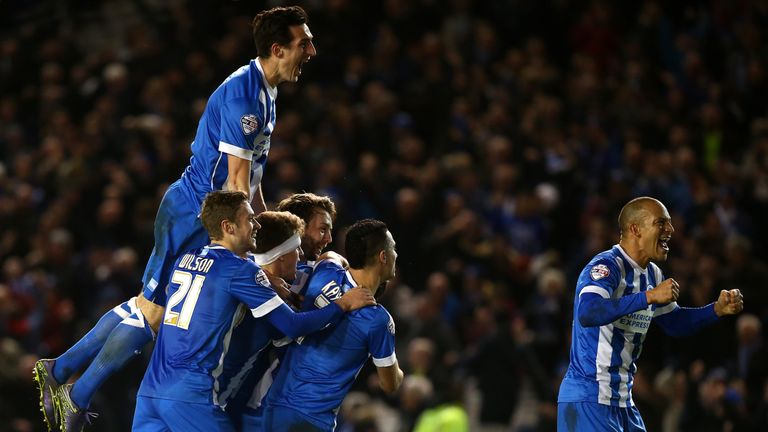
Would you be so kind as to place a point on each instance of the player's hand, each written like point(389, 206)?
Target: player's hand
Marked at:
point(283, 290)
point(729, 303)
point(356, 298)
point(333, 256)
point(665, 292)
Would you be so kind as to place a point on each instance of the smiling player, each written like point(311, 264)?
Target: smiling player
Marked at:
point(618, 294)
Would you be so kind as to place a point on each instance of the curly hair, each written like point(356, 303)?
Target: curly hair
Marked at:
point(305, 205)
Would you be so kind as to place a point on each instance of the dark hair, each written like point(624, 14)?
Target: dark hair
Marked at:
point(365, 239)
point(272, 26)
point(305, 205)
point(276, 227)
point(219, 206)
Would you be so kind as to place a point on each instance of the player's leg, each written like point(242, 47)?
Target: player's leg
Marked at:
point(587, 417)
point(81, 353)
point(124, 343)
point(51, 373)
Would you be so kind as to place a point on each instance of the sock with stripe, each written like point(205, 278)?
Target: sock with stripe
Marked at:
point(81, 353)
point(124, 343)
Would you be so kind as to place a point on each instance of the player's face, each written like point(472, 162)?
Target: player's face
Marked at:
point(317, 235)
point(657, 231)
point(246, 228)
point(391, 258)
point(296, 53)
point(288, 264)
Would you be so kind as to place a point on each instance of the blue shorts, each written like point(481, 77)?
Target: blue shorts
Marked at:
point(177, 230)
point(164, 415)
point(282, 419)
point(595, 417)
point(252, 419)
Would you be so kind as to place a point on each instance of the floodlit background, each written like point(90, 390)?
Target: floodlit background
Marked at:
point(497, 139)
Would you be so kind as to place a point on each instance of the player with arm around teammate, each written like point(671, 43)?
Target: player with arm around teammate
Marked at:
point(249, 366)
point(618, 294)
point(229, 152)
point(317, 373)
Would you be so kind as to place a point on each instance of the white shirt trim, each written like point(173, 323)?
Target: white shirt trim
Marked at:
point(272, 90)
point(267, 307)
point(602, 292)
point(631, 261)
point(235, 151)
point(386, 361)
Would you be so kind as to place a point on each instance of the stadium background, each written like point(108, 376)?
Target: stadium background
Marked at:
point(498, 139)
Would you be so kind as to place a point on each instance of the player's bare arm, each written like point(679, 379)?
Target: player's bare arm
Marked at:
point(390, 377)
point(239, 178)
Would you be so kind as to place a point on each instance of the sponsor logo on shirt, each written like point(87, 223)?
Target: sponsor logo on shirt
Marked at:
point(249, 123)
point(636, 322)
point(599, 271)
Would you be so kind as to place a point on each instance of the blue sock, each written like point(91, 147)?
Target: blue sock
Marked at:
point(86, 348)
point(124, 343)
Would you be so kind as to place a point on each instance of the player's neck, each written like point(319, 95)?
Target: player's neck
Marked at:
point(229, 246)
point(366, 277)
point(635, 253)
point(269, 66)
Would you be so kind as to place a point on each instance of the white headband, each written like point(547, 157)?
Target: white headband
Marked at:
point(276, 252)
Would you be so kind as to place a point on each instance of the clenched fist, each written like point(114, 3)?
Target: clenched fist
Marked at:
point(665, 292)
point(729, 303)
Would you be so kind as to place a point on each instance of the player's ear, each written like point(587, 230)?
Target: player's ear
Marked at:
point(383, 256)
point(276, 50)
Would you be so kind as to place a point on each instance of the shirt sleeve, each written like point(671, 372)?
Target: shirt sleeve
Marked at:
point(381, 339)
point(241, 121)
point(251, 286)
point(600, 276)
point(594, 304)
point(325, 286)
point(681, 322)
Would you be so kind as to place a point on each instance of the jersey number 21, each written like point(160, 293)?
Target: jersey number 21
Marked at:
point(188, 292)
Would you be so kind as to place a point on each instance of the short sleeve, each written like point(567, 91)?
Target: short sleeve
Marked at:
point(601, 276)
point(381, 339)
point(325, 286)
point(241, 121)
point(251, 287)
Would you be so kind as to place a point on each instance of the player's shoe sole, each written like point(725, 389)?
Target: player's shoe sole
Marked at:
point(46, 383)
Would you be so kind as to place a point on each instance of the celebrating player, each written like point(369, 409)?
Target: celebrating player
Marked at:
point(318, 372)
point(618, 294)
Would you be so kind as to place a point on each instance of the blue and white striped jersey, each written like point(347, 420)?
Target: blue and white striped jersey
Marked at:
point(238, 120)
point(602, 359)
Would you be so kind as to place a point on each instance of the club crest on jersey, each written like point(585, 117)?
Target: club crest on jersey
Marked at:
point(250, 123)
point(599, 271)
